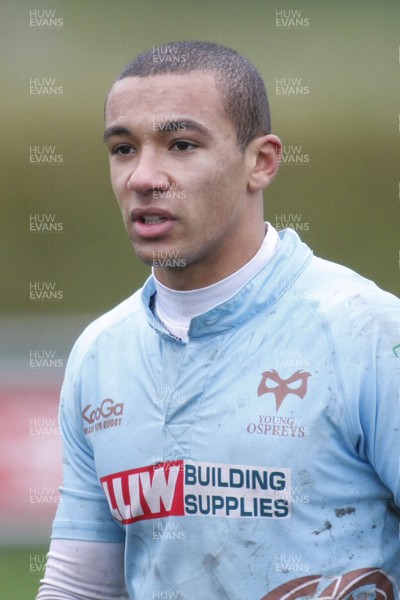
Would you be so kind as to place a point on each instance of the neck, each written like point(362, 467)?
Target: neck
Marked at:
point(176, 308)
point(200, 274)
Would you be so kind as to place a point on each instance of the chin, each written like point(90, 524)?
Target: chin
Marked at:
point(145, 257)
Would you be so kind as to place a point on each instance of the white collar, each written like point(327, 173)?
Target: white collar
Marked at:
point(176, 308)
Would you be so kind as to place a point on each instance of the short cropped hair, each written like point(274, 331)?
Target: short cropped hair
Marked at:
point(242, 89)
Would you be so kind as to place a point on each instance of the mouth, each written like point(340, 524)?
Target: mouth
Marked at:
point(151, 214)
point(152, 223)
point(152, 219)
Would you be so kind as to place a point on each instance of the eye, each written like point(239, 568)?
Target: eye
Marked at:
point(123, 150)
point(181, 146)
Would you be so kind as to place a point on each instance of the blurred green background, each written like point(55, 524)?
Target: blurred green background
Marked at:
point(348, 125)
point(344, 193)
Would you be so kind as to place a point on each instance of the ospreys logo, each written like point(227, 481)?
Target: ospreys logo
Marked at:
point(295, 384)
point(365, 583)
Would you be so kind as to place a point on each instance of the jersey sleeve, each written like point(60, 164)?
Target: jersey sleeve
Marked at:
point(83, 512)
point(372, 390)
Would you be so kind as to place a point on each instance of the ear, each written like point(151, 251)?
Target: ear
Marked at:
point(264, 155)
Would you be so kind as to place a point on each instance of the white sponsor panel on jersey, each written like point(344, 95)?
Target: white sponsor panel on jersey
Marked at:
point(186, 488)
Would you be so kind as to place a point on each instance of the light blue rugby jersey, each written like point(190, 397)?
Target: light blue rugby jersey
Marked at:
point(258, 461)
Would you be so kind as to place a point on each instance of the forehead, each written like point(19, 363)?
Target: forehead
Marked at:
point(191, 94)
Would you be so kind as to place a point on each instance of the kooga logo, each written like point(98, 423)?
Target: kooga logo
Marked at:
point(105, 410)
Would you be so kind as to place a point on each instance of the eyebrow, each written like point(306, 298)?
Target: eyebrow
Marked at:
point(115, 130)
point(181, 125)
point(160, 127)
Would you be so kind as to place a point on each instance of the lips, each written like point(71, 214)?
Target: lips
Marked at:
point(152, 222)
point(152, 219)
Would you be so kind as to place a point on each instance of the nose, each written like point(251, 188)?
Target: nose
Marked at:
point(147, 174)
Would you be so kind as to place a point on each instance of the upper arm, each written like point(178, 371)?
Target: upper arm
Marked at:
point(371, 380)
point(83, 512)
point(84, 570)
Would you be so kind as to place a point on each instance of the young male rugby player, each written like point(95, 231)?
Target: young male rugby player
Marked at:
point(200, 461)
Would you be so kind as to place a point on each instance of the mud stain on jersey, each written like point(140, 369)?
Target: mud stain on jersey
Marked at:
point(326, 526)
point(341, 512)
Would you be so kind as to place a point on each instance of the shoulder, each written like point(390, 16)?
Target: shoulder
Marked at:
point(336, 289)
point(107, 324)
point(360, 320)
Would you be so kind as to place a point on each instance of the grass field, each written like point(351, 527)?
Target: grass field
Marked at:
point(21, 570)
